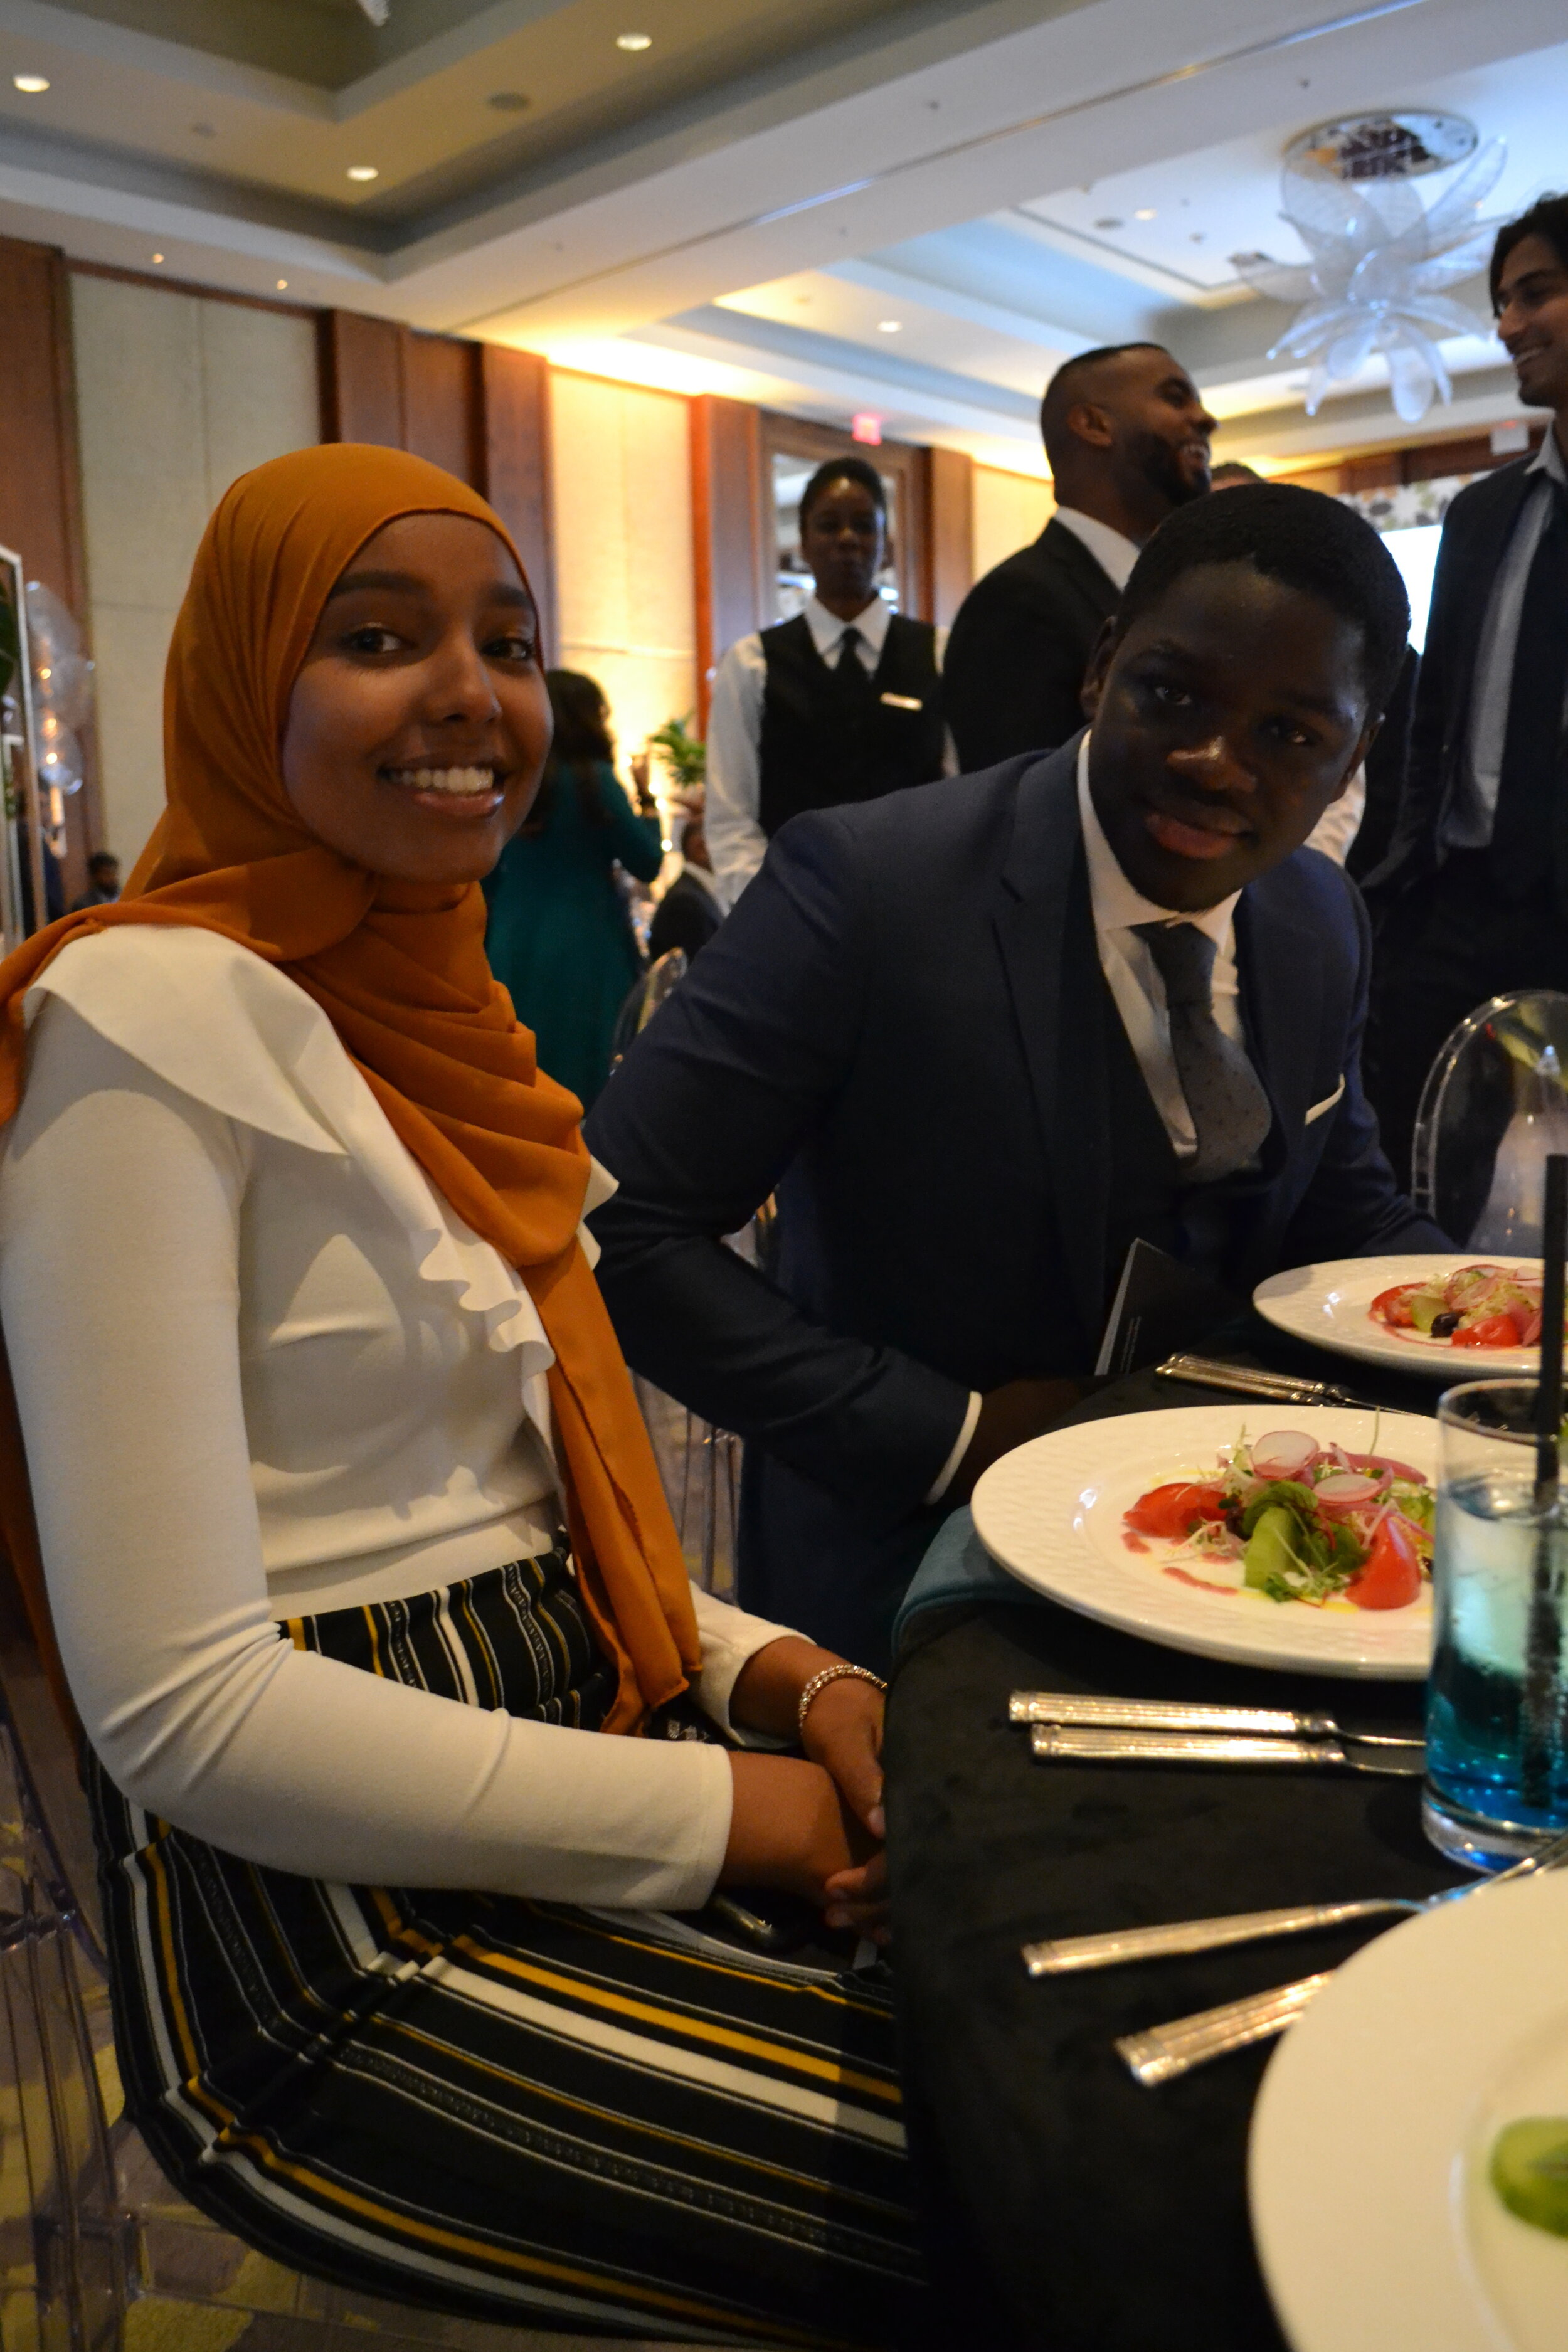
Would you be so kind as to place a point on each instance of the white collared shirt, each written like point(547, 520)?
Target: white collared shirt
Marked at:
point(736, 842)
point(1133, 977)
point(1112, 550)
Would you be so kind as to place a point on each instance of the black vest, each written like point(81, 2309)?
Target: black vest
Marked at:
point(828, 741)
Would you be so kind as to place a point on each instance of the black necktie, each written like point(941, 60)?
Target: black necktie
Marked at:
point(854, 679)
point(1224, 1097)
point(1524, 827)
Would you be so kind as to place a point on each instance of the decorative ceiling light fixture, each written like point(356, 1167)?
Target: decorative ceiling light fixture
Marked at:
point(1381, 260)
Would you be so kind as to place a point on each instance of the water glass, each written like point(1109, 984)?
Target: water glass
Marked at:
point(1497, 1706)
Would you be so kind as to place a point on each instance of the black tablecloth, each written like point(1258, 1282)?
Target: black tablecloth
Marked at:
point(1100, 2216)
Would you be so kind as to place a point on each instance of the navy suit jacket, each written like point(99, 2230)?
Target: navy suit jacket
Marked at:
point(903, 1023)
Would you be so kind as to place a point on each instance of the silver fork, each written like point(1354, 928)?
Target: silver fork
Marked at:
point(1163, 2052)
point(1065, 1955)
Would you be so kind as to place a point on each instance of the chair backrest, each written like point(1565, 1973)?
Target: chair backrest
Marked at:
point(1495, 1104)
point(645, 999)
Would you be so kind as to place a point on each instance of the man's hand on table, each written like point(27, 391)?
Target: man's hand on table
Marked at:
point(814, 1826)
point(1010, 1416)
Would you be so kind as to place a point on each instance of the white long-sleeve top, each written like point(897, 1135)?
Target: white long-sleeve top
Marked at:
point(264, 1371)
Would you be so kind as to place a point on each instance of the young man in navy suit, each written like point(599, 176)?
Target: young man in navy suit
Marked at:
point(1472, 897)
point(982, 1035)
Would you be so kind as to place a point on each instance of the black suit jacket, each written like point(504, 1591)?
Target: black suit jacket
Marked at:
point(1475, 532)
point(686, 917)
point(904, 1021)
point(1019, 648)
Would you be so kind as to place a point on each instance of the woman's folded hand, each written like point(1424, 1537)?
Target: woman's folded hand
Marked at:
point(819, 1836)
point(789, 1827)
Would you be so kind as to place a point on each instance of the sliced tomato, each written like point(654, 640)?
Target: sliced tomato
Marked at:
point(1491, 1331)
point(1174, 1511)
point(1392, 1576)
point(1392, 1306)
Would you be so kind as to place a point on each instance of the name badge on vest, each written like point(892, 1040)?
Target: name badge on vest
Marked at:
point(903, 702)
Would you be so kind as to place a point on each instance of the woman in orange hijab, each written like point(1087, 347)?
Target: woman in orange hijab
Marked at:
point(351, 1540)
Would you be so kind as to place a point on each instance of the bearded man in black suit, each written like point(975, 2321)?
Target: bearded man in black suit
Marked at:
point(1127, 437)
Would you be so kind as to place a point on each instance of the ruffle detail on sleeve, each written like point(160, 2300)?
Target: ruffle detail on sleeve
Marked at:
point(224, 1026)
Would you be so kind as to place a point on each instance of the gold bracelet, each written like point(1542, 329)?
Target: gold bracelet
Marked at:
point(819, 1681)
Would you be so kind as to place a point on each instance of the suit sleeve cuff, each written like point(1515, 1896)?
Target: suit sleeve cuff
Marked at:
point(943, 1479)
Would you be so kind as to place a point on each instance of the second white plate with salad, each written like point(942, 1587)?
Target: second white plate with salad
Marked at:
point(1456, 1320)
point(1286, 1537)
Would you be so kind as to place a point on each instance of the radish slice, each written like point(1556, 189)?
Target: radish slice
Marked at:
point(1283, 1454)
point(1347, 1490)
point(1383, 1466)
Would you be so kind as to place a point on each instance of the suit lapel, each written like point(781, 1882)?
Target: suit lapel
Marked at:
point(1279, 965)
point(1046, 935)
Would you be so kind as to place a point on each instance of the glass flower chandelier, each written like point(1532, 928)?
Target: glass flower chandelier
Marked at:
point(1377, 279)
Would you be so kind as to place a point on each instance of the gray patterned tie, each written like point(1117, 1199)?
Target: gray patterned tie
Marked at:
point(1223, 1093)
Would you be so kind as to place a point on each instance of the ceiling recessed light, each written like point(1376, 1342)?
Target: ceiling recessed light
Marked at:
point(890, 325)
point(1111, 220)
point(363, 172)
point(33, 84)
point(508, 101)
point(157, 257)
point(634, 40)
point(283, 286)
point(1146, 214)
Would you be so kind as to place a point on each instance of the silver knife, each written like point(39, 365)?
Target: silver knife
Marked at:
point(1069, 1744)
point(1244, 1380)
point(1079, 1708)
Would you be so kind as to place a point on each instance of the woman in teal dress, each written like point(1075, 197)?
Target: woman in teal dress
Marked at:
point(559, 938)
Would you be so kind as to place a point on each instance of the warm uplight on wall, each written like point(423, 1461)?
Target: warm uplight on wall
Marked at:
point(33, 85)
point(363, 172)
point(890, 325)
point(634, 40)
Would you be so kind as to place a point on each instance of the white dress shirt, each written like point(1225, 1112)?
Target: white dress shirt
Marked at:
point(1112, 550)
point(736, 842)
point(1468, 824)
point(265, 1370)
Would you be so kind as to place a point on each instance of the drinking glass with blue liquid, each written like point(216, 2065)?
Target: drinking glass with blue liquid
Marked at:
point(1497, 1710)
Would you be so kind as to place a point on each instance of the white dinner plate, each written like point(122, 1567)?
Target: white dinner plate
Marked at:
point(1052, 1512)
point(1327, 1305)
point(1377, 2225)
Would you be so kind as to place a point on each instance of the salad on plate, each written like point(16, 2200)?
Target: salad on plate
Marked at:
point(1288, 1519)
point(1475, 1307)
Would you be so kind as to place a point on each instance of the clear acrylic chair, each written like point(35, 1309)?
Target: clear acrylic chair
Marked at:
point(1494, 1105)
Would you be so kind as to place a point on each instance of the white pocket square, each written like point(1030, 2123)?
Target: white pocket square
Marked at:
point(1319, 1110)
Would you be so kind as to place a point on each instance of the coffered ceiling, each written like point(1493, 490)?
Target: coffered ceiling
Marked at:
point(830, 205)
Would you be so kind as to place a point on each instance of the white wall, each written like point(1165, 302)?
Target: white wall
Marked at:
point(1010, 509)
point(621, 477)
point(175, 395)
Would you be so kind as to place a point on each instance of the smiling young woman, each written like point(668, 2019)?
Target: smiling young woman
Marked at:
point(352, 1543)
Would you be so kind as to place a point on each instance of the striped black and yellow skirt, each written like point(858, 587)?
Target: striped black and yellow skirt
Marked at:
point(597, 2121)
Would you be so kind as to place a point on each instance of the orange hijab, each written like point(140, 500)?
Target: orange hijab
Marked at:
point(399, 970)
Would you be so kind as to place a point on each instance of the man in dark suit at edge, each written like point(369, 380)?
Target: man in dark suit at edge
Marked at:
point(1472, 897)
point(982, 1035)
point(1127, 437)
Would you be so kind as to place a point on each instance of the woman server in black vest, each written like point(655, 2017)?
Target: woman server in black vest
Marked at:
point(843, 703)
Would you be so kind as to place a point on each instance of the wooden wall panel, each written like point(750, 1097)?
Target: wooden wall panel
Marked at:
point(727, 523)
point(514, 401)
point(40, 478)
point(949, 533)
point(362, 379)
point(441, 402)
